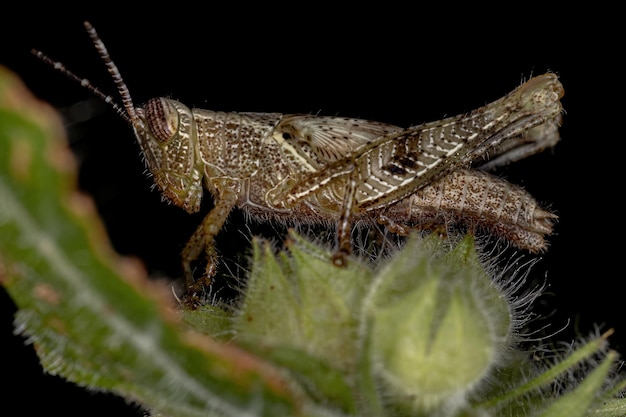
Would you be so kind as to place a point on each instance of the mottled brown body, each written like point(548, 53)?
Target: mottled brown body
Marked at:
point(339, 171)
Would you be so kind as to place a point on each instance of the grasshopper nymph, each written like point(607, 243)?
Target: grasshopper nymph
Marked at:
point(296, 168)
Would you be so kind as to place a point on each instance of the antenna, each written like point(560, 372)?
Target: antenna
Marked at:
point(127, 112)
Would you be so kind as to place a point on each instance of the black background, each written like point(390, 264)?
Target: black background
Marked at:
point(400, 66)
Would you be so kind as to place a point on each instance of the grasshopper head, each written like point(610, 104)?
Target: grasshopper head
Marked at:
point(166, 134)
point(164, 129)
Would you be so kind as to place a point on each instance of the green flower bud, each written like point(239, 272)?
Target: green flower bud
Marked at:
point(303, 301)
point(437, 323)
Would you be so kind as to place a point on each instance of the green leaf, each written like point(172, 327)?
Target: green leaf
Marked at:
point(578, 402)
point(610, 408)
point(550, 375)
point(94, 317)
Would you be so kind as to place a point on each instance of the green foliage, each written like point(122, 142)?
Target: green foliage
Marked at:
point(427, 331)
point(94, 318)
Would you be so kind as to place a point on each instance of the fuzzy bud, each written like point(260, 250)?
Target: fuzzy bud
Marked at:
point(437, 325)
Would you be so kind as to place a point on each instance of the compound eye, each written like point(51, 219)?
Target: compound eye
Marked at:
point(162, 119)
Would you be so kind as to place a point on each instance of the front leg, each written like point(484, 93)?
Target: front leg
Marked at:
point(203, 240)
